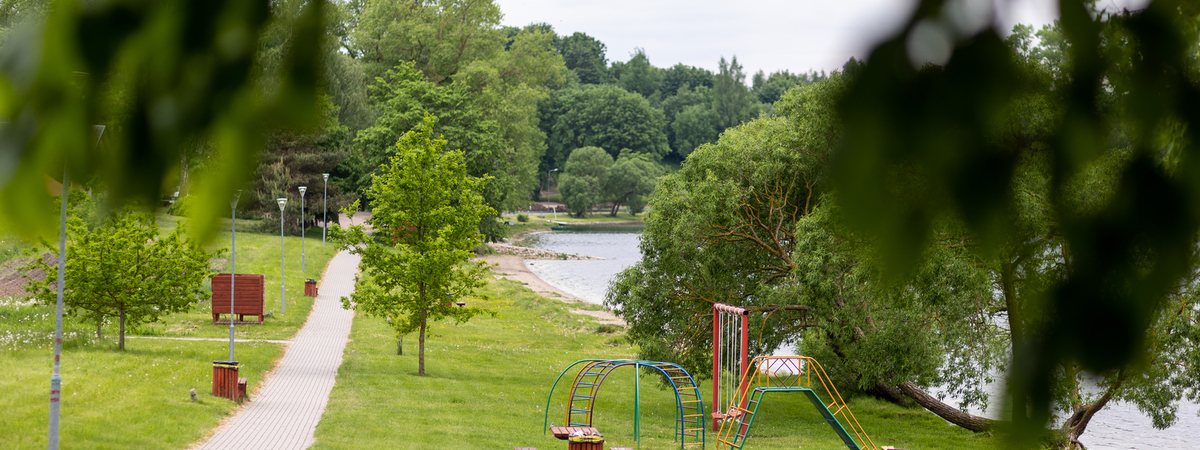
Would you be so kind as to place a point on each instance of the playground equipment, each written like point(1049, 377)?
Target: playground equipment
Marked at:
point(741, 390)
point(789, 374)
point(689, 407)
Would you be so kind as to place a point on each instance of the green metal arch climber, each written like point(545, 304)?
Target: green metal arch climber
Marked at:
point(689, 407)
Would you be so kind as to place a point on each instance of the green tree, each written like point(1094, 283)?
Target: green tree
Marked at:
point(630, 180)
point(693, 126)
point(638, 75)
point(584, 55)
point(770, 88)
point(428, 208)
point(123, 269)
point(583, 181)
point(681, 75)
point(440, 37)
point(732, 100)
point(604, 116)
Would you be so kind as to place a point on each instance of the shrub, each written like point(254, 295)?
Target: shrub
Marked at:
point(522, 218)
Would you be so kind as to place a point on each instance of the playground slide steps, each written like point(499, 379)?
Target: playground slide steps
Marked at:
point(745, 420)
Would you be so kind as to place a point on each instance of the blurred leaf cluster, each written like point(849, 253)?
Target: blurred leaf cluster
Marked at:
point(169, 81)
point(944, 123)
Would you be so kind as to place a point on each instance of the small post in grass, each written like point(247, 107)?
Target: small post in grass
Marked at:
point(325, 209)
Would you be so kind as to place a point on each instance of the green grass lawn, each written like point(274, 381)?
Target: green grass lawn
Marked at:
point(137, 398)
point(256, 253)
point(488, 379)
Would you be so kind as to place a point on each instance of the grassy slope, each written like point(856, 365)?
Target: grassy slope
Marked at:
point(139, 398)
point(488, 380)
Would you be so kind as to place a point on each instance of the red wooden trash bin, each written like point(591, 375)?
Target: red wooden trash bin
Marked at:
point(585, 443)
point(310, 287)
point(225, 380)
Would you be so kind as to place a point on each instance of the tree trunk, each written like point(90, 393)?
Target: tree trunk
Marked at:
point(421, 350)
point(891, 394)
point(400, 346)
point(121, 340)
point(950, 413)
point(616, 206)
point(99, 323)
point(1078, 422)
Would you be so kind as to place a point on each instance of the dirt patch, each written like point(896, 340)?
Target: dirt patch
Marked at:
point(534, 253)
point(11, 281)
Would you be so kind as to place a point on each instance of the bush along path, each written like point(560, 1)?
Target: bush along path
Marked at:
point(284, 412)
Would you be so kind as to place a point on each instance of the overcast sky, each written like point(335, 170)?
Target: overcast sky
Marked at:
point(770, 35)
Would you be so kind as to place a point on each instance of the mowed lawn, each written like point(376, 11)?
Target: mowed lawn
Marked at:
point(488, 380)
point(139, 398)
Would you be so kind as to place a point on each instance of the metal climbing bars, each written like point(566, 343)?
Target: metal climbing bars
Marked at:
point(689, 407)
point(789, 374)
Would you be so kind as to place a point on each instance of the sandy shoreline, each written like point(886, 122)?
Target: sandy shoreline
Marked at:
point(513, 268)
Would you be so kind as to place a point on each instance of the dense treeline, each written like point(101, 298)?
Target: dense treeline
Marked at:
point(518, 100)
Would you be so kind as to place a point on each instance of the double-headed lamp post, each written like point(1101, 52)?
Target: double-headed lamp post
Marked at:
point(325, 209)
point(302, 190)
point(282, 302)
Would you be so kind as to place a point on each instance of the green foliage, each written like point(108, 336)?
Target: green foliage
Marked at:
point(630, 180)
point(927, 143)
point(680, 75)
point(157, 87)
point(584, 55)
point(430, 209)
point(582, 183)
point(602, 116)
point(439, 37)
point(732, 100)
point(638, 75)
point(523, 218)
point(770, 88)
point(123, 270)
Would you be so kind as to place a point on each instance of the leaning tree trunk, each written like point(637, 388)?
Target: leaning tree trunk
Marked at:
point(1078, 422)
point(400, 346)
point(950, 413)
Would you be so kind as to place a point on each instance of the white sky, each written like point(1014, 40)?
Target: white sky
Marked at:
point(796, 35)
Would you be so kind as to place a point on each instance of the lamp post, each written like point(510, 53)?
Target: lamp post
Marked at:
point(548, 182)
point(232, 264)
point(325, 209)
point(282, 301)
point(302, 189)
point(56, 377)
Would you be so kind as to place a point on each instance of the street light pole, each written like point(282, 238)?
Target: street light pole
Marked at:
point(282, 299)
point(548, 182)
point(232, 264)
point(302, 189)
point(56, 378)
point(325, 209)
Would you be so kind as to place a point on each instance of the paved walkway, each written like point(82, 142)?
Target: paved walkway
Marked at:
point(283, 412)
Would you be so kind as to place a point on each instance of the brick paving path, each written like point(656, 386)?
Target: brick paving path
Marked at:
point(283, 412)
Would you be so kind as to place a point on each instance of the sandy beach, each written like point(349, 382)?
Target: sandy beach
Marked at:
point(513, 268)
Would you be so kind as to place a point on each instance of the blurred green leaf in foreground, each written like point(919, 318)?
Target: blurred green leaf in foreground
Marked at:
point(943, 116)
point(174, 82)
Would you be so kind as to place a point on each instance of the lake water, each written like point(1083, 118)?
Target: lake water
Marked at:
point(1118, 426)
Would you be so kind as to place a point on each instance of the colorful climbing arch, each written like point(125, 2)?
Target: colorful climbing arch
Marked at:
point(689, 407)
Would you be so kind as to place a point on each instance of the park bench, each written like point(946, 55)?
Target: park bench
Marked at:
point(248, 299)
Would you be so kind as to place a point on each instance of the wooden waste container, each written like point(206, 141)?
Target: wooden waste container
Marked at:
point(310, 287)
point(225, 380)
point(585, 443)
